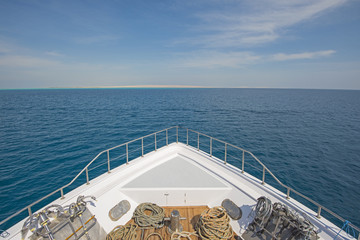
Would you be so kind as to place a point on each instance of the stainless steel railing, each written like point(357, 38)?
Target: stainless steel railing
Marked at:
point(264, 171)
point(197, 146)
point(86, 168)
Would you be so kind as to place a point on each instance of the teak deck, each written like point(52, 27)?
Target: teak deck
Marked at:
point(191, 213)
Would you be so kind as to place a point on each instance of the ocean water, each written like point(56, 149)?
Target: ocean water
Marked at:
point(308, 138)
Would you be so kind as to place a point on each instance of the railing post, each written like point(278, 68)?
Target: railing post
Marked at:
point(211, 147)
point(87, 176)
point(127, 154)
point(108, 157)
point(263, 177)
point(225, 153)
point(318, 212)
point(177, 134)
point(167, 139)
point(62, 193)
point(142, 147)
point(243, 162)
point(288, 193)
point(187, 137)
point(155, 143)
point(198, 141)
point(29, 210)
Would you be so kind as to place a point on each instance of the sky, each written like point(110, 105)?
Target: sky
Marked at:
point(213, 43)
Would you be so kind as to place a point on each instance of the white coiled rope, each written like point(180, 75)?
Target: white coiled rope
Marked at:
point(154, 219)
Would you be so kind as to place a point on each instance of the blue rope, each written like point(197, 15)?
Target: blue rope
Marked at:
point(346, 227)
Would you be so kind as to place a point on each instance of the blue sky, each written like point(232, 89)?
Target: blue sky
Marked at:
point(227, 43)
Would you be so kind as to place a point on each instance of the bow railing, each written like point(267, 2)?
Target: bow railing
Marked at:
point(210, 150)
point(140, 150)
point(174, 137)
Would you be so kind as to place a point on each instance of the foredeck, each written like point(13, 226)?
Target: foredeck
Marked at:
point(191, 213)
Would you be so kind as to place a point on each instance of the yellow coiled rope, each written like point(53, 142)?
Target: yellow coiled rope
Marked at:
point(127, 232)
point(214, 223)
point(154, 219)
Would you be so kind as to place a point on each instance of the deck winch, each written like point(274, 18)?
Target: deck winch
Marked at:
point(278, 221)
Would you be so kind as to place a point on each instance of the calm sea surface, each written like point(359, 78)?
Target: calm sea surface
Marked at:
point(308, 138)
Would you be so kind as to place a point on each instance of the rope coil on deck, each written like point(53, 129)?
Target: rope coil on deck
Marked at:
point(214, 223)
point(154, 219)
point(127, 232)
point(179, 235)
point(154, 234)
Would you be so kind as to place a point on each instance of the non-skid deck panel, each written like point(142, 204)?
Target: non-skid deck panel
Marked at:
point(176, 173)
point(191, 213)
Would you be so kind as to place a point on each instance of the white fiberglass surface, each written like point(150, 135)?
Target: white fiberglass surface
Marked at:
point(176, 173)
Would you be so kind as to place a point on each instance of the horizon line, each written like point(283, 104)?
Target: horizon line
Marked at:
point(170, 87)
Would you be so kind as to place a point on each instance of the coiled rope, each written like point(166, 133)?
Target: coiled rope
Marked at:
point(214, 223)
point(179, 235)
point(127, 232)
point(263, 209)
point(154, 234)
point(154, 219)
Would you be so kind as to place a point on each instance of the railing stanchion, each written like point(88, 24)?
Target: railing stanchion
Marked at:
point(62, 193)
point(108, 157)
point(225, 153)
point(288, 193)
point(127, 154)
point(29, 210)
point(319, 212)
point(155, 143)
point(243, 162)
point(167, 138)
point(187, 137)
point(142, 147)
point(198, 141)
point(87, 176)
point(263, 177)
point(177, 134)
point(211, 147)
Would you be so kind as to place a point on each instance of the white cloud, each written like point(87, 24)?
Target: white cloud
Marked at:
point(26, 61)
point(214, 59)
point(5, 47)
point(54, 54)
point(217, 59)
point(304, 55)
point(96, 39)
point(255, 22)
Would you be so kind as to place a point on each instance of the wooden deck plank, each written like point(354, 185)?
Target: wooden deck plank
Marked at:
point(191, 213)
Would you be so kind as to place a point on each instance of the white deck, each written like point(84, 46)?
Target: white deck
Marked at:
point(179, 175)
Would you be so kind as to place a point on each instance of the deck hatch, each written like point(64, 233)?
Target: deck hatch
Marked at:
point(176, 173)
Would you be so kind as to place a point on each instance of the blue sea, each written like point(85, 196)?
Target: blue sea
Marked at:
point(308, 138)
